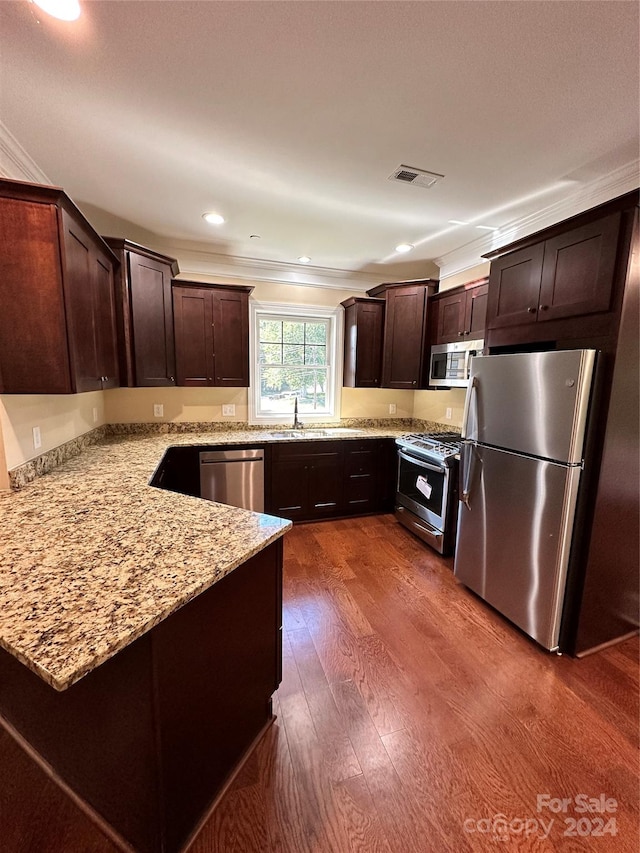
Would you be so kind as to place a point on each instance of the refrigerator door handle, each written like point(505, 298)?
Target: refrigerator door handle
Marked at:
point(471, 393)
point(465, 474)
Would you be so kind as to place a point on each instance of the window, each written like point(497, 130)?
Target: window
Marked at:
point(294, 356)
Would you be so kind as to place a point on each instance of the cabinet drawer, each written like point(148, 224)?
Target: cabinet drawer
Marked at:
point(297, 449)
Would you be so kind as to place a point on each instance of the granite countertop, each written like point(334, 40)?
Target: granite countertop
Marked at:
point(94, 557)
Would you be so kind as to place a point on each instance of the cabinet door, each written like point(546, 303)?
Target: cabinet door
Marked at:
point(451, 316)
point(231, 338)
point(193, 336)
point(290, 488)
point(34, 357)
point(105, 320)
point(577, 274)
point(325, 482)
point(404, 337)
point(514, 287)
point(475, 314)
point(363, 332)
point(80, 294)
point(152, 321)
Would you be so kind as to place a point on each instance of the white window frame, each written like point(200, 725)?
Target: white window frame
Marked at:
point(277, 310)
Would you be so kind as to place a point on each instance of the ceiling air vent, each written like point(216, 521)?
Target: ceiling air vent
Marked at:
point(416, 177)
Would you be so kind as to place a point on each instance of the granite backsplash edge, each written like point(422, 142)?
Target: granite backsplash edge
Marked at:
point(26, 473)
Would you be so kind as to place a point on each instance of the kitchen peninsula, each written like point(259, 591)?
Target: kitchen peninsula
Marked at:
point(154, 619)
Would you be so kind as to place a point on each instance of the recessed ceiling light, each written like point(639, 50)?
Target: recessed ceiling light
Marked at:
point(64, 10)
point(487, 227)
point(457, 222)
point(304, 259)
point(213, 218)
point(404, 247)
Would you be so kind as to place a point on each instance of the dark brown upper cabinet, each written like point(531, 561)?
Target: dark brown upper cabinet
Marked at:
point(363, 333)
point(144, 306)
point(211, 334)
point(57, 324)
point(405, 346)
point(563, 283)
point(459, 313)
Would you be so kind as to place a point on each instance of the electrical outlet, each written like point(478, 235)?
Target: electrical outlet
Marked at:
point(37, 438)
point(448, 415)
point(158, 410)
point(95, 414)
point(228, 409)
point(392, 408)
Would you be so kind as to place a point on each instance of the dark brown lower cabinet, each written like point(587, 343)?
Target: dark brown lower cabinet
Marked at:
point(149, 738)
point(311, 480)
point(306, 479)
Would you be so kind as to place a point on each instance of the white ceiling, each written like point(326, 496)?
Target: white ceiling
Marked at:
point(288, 117)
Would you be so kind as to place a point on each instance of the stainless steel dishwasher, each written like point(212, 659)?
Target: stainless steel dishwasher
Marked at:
point(233, 477)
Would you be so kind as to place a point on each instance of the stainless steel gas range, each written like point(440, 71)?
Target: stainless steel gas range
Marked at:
point(427, 487)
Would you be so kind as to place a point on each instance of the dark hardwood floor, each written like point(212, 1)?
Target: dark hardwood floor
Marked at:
point(411, 718)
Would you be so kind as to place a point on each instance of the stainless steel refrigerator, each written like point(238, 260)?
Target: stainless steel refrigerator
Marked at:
point(521, 466)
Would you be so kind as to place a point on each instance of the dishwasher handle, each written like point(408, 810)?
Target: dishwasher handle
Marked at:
point(209, 457)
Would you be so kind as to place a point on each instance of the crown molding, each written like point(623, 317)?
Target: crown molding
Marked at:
point(200, 262)
point(599, 191)
point(15, 163)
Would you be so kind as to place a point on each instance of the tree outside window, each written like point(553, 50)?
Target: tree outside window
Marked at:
point(292, 362)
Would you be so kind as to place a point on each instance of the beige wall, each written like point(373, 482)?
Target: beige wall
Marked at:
point(433, 405)
point(135, 405)
point(60, 418)
point(374, 403)
point(472, 274)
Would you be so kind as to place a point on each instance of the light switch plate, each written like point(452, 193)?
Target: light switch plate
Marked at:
point(37, 438)
point(392, 408)
point(229, 409)
point(158, 410)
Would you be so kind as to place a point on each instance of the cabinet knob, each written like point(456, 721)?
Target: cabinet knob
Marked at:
point(172, 379)
point(531, 310)
point(460, 334)
point(210, 378)
point(415, 382)
point(544, 307)
point(467, 332)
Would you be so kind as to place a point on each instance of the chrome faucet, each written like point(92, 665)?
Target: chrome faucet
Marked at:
point(296, 423)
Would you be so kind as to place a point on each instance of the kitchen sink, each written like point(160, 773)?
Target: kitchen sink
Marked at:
point(330, 432)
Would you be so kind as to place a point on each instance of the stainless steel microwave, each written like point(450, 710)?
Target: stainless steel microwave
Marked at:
point(451, 363)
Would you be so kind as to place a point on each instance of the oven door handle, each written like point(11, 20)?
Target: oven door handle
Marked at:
point(421, 462)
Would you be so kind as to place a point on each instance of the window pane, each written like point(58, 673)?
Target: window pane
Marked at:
point(293, 354)
point(270, 330)
point(315, 355)
point(280, 385)
point(270, 354)
point(293, 333)
point(316, 333)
